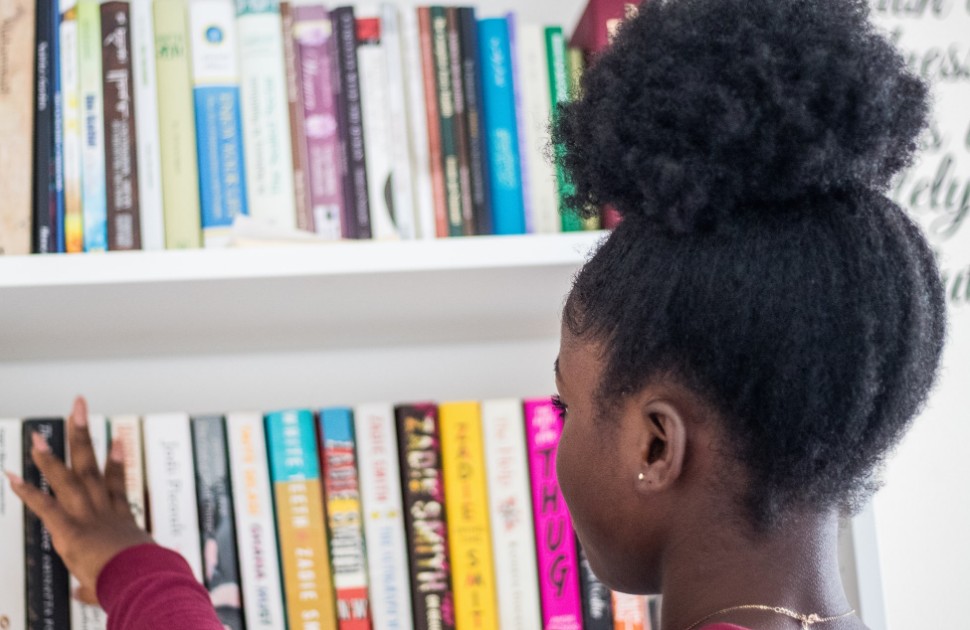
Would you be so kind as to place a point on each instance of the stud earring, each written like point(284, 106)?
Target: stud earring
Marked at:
point(640, 477)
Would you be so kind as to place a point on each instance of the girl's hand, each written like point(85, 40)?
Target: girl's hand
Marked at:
point(89, 518)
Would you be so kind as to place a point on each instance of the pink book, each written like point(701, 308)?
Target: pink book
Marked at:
point(562, 608)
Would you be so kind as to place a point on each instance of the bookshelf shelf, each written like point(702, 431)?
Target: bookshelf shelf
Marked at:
point(296, 298)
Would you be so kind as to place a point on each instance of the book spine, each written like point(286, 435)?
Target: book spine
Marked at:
point(424, 516)
point(302, 529)
point(544, 216)
point(342, 491)
point(576, 66)
point(598, 24)
point(13, 595)
point(510, 509)
point(170, 484)
point(217, 527)
point(555, 540)
point(520, 119)
point(315, 68)
point(71, 107)
point(45, 199)
point(445, 95)
point(86, 616)
point(265, 114)
point(630, 612)
point(17, 81)
point(121, 158)
point(372, 63)
point(558, 94)
point(597, 600)
point(94, 195)
point(501, 128)
point(466, 500)
point(58, 150)
point(399, 134)
point(357, 222)
point(127, 430)
point(47, 594)
point(176, 126)
point(262, 590)
point(472, 69)
point(383, 509)
point(462, 142)
point(218, 117)
point(294, 101)
point(417, 115)
point(433, 123)
point(146, 120)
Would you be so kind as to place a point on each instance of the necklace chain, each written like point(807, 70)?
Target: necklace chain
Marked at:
point(807, 621)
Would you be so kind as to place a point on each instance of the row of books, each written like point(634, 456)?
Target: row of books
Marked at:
point(153, 124)
point(415, 516)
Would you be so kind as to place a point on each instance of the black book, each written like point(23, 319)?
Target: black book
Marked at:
point(48, 588)
point(44, 158)
point(597, 599)
point(481, 194)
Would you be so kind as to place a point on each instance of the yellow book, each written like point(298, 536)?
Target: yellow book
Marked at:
point(466, 504)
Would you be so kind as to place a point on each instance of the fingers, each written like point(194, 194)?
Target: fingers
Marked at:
point(40, 503)
point(114, 478)
point(83, 461)
point(64, 483)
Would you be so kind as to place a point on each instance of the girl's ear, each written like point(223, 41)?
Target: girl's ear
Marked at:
point(663, 445)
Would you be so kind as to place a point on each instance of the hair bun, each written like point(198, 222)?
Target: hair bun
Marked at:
point(702, 110)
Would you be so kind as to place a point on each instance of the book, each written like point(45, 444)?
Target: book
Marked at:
point(599, 22)
point(501, 127)
point(47, 594)
point(350, 122)
point(265, 114)
point(145, 83)
point(127, 430)
point(520, 118)
point(424, 516)
point(301, 525)
point(262, 589)
point(372, 64)
point(217, 527)
point(448, 126)
point(435, 154)
point(342, 491)
point(17, 82)
point(575, 67)
point(73, 223)
point(13, 595)
point(121, 158)
point(294, 101)
point(94, 194)
point(472, 76)
point(383, 509)
point(213, 43)
point(316, 70)
point(58, 149)
point(555, 540)
point(170, 486)
point(558, 94)
point(460, 119)
point(510, 511)
point(630, 612)
point(45, 194)
point(87, 616)
point(466, 502)
point(176, 126)
point(597, 598)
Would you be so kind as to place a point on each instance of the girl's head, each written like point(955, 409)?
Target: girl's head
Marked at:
point(764, 324)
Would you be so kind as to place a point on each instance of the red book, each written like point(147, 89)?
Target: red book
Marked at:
point(598, 24)
point(434, 125)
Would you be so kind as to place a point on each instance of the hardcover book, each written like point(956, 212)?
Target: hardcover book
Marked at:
point(13, 596)
point(460, 119)
point(472, 69)
point(599, 22)
point(94, 194)
point(597, 599)
point(294, 101)
point(383, 509)
point(44, 174)
point(424, 516)
point(145, 77)
point(87, 616)
point(448, 126)
point(558, 94)
point(435, 153)
point(127, 429)
point(71, 114)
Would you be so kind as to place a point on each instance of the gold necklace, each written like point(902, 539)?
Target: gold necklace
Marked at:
point(807, 620)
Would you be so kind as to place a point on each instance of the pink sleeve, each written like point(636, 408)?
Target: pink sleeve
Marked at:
point(152, 588)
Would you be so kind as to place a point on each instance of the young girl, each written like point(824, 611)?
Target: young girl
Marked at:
point(737, 358)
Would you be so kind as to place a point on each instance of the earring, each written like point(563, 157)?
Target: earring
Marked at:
point(640, 477)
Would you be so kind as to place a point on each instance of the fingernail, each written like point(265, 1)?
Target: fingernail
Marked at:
point(40, 444)
point(117, 454)
point(14, 480)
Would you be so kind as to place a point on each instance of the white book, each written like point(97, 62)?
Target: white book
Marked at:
point(150, 202)
point(536, 142)
point(170, 477)
point(71, 98)
point(265, 114)
point(85, 616)
point(255, 525)
point(382, 505)
point(417, 122)
point(510, 512)
point(13, 595)
point(372, 63)
point(127, 429)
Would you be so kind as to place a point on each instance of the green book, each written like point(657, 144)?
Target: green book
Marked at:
point(559, 93)
point(576, 62)
point(447, 119)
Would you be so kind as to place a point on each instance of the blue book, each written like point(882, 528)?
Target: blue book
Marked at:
point(502, 133)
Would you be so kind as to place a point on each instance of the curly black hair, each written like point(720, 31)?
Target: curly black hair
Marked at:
point(748, 145)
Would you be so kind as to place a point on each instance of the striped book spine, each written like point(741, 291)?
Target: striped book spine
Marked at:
point(301, 525)
point(86, 616)
point(294, 101)
point(71, 108)
point(13, 596)
point(383, 508)
point(145, 77)
point(558, 94)
point(94, 195)
point(127, 430)
point(558, 567)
